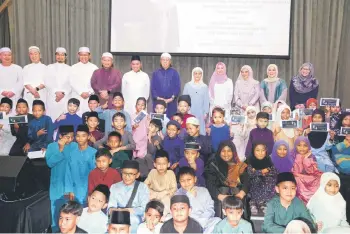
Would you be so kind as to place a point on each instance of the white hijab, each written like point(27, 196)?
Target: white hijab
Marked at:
point(330, 210)
point(274, 78)
point(288, 131)
point(201, 83)
point(251, 122)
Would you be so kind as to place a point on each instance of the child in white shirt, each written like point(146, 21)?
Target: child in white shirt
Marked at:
point(93, 220)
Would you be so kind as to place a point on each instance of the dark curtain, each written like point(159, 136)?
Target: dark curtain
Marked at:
point(4, 28)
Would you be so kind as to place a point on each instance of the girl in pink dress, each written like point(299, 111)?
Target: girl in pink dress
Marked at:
point(305, 169)
point(139, 134)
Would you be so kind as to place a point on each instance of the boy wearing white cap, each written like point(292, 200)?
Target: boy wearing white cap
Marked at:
point(81, 79)
point(58, 84)
point(34, 78)
point(11, 79)
point(107, 80)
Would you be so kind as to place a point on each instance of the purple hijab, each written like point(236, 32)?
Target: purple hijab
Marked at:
point(305, 84)
point(282, 164)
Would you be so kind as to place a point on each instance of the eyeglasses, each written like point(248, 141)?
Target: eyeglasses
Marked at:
point(129, 174)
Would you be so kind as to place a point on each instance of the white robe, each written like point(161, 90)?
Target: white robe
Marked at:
point(81, 83)
point(34, 75)
point(57, 80)
point(11, 79)
point(134, 85)
point(223, 98)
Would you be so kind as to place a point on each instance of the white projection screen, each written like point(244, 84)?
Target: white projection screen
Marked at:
point(201, 27)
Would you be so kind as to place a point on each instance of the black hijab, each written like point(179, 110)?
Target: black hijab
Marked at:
point(223, 165)
point(317, 139)
point(259, 164)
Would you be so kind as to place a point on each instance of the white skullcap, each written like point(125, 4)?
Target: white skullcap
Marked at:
point(108, 55)
point(166, 55)
point(5, 49)
point(34, 48)
point(61, 50)
point(84, 50)
point(192, 120)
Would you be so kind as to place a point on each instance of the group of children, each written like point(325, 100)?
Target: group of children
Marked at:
point(160, 175)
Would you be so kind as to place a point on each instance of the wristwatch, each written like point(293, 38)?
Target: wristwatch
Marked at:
point(37, 89)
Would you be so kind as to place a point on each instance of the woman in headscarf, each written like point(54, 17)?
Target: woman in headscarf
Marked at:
point(107, 80)
point(226, 176)
point(199, 94)
point(273, 88)
point(305, 169)
point(287, 134)
point(166, 85)
point(281, 156)
point(327, 205)
point(247, 90)
point(320, 143)
point(221, 90)
point(303, 86)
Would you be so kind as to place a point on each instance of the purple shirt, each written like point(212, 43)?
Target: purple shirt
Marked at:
point(199, 172)
point(260, 135)
point(164, 84)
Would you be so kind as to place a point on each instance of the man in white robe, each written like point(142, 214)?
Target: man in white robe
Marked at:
point(81, 79)
point(34, 77)
point(58, 85)
point(135, 84)
point(11, 77)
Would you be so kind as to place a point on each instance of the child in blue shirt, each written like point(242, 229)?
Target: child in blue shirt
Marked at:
point(69, 118)
point(233, 223)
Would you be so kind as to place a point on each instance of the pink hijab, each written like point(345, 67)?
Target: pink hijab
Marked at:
point(217, 79)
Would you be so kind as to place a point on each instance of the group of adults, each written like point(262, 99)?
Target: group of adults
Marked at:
point(57, 82)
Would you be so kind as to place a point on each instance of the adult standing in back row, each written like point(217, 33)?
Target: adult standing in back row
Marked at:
point(81, 79)
point(166, 85)
point(221, 90)
point(303, 86)
point(247, 89)
point(107, 80)
point(135, 84)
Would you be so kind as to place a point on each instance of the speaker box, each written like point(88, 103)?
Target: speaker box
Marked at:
point(17, 178)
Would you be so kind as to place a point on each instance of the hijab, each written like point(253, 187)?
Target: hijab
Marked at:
point(297, 142)
point(201, 83)
point(250, 82)
point(275, 105)
point(317, 139)
point(282, 164)
point(217, 79)
point(289, 132)
point(311, 100)
point(259, 164)
point(266, 104)
point(324, 207)
point(274, 78)
point(305, 84)
point(223, 165)
point(251, 122)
